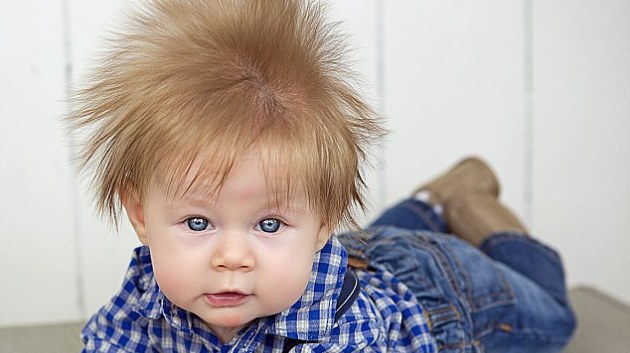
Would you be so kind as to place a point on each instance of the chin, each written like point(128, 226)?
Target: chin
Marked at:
point(228, 320)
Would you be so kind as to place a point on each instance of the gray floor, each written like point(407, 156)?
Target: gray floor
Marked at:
point(603, 323)
point(63, 338)
point(604, 327)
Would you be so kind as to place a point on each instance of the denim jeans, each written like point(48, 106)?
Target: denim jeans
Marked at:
point(508, 296)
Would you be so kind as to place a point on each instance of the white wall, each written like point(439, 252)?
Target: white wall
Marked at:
point(541, 89)
point(581, 146)
point(37, 248)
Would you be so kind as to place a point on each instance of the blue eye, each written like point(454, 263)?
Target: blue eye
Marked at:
point(269, 225)
point(197, 224)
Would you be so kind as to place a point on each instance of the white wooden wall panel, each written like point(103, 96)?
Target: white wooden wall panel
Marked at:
point(582, 148)
point(37, 254)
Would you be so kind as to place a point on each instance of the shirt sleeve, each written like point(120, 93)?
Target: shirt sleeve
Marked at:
point(107, 334)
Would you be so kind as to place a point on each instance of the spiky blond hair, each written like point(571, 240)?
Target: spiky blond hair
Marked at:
point(223, 77)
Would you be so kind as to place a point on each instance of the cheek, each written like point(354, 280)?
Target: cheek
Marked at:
point(287, 276)
point(167, 273)
point(172, 270)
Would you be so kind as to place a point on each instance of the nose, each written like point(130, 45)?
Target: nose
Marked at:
point(233, 253)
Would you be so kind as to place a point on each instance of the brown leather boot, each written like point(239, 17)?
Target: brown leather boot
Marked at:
point(471, 175)
point(473, 217)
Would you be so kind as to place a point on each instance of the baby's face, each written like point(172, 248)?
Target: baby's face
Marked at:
point(233, 257)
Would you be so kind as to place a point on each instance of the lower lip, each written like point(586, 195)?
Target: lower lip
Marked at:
point(222, 300)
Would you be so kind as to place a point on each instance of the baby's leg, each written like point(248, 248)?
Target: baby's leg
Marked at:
point(510, 299)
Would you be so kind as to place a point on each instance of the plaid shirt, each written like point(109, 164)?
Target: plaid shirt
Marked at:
point(386, 317)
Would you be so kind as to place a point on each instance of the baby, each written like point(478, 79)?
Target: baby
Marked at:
point(231, 134)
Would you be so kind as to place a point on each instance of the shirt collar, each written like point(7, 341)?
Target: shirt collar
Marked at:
point(309, 319)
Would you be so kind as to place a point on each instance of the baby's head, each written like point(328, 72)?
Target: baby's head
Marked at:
point(196, 105)
point(224, 79)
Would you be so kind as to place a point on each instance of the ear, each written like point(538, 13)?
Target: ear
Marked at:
point(133, 207)
point(323, 237)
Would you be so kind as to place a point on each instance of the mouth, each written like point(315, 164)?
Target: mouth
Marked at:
point(226, 299)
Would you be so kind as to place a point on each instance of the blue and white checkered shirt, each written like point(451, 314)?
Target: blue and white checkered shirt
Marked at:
point(386, 317)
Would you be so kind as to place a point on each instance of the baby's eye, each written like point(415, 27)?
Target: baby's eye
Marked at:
point(197, 224)
point(270, 225)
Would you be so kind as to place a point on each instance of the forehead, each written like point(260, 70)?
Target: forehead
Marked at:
point(206, 176)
